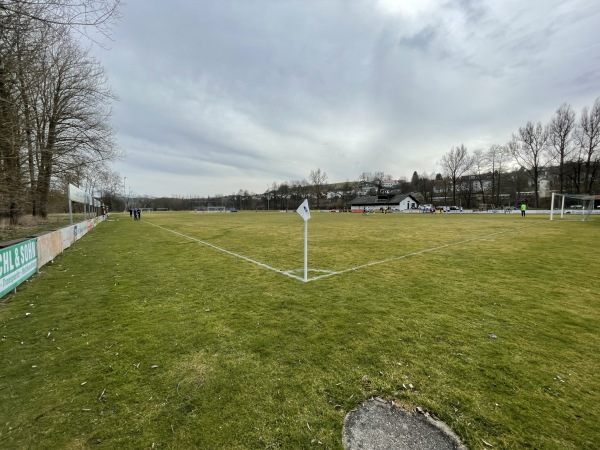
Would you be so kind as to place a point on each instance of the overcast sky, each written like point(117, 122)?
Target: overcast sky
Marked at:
point(218, 96)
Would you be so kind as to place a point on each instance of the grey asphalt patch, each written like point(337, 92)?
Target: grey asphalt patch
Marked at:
point(378, 425)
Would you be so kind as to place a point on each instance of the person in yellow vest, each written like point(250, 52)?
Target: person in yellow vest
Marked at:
point(523, 209)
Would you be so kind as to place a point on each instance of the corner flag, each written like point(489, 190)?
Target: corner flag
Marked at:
point(305, 213)
point(303, 210)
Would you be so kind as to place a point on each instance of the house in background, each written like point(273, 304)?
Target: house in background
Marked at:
point(400, 202)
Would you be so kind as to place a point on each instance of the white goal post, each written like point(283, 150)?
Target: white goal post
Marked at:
point(572, 204)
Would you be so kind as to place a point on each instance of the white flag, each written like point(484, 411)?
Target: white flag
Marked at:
point(303, 210)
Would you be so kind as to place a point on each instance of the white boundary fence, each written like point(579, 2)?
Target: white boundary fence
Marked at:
point(21, 259)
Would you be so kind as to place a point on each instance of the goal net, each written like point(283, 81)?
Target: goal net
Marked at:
point(578, 206)
point(212, 209)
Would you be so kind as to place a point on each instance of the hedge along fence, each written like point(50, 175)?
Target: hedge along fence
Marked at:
point(22, 258)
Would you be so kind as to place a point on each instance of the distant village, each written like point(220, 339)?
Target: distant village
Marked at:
point(481, 192)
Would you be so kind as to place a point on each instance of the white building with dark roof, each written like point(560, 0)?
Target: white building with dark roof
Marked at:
point(401, 202)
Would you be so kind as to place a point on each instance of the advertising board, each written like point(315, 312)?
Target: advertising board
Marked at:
point(17, 263)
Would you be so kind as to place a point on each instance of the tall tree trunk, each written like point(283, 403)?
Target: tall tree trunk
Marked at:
point(9, 148)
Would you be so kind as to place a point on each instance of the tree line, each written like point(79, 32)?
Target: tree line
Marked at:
point(566, 150)
point(55, 103)
point(566, 147)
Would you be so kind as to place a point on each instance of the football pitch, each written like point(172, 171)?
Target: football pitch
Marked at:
point(188, 330)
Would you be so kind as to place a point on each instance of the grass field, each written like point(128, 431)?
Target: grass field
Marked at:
point(189, 330)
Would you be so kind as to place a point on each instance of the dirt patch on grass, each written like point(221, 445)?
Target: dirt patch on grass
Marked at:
point(379, 425)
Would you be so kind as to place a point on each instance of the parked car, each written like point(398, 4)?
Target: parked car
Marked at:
point(233, 210)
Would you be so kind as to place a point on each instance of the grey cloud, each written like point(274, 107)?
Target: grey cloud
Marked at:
point(422, 40)
point(251, 92)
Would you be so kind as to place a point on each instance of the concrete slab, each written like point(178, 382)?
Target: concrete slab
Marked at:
point(379, 425)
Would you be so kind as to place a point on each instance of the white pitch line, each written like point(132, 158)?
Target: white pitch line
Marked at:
point(332, 273)
point(408, 255)
point(237, 255)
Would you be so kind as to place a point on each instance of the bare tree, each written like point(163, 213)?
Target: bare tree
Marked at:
point(72, 117)
point(318, 178)
point(559, 131)
point(19, 46)
point(299, 190)
point(426, 185)
point(11, 181)
point(479, 170)
point(78, 15)
point(38, 105)
point(588, 141)
point(455, 164)
point(284, 194)
point(467, 188)
point(497, 157)
point(529, 147)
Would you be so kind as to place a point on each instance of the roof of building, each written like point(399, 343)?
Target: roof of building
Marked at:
point(381, 200)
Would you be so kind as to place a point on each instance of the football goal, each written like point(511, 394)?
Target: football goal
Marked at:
point(579, 206)
point(211, 209)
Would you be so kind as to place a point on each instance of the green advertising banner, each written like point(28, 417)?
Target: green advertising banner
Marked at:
point(17, 263)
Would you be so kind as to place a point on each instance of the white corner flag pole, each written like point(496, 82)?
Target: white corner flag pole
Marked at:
point(305, 251)
point(305, 213)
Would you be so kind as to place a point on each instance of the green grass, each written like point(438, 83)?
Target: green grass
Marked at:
point(29, 225)
point(249, 358)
